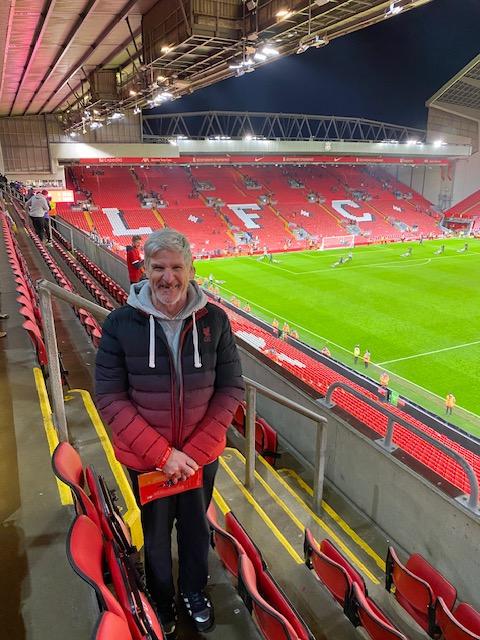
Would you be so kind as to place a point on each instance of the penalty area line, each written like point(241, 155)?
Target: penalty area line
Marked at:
point(429, 353)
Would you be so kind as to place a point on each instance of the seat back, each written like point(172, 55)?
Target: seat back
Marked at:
point(464, 624)
point(272, 624)
point(378, 628)
point(439, 585)
point(227, 547)
point(331, 573)
point(67, 466)
point(274, 595)
point(235, 529)
point(139, 612)
point(85, 554)
point(413, 593)
point(112, 523)
point(111, 627)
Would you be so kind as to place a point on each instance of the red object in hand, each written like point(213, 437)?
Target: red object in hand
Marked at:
point(157, 484)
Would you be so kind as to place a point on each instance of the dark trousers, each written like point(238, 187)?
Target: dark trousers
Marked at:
point(188, 511)
point(39, 226)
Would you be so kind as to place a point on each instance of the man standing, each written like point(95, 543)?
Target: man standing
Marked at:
point(356, 353)
point(37, 207)
point(168, 381)
point(366, 358)
point(450, 401)
point(135, 260)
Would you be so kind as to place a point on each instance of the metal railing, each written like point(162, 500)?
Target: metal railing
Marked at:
point(471, 501)
point(252, 388)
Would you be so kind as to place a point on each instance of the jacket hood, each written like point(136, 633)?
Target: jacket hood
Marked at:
point(140, 298)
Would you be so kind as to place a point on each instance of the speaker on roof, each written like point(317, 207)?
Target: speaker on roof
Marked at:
point(103, 85)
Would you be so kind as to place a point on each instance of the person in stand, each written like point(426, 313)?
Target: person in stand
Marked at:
point(275, 326)
point(366, 358)
point(285, 330)
point(294, 334)
point(325, 351)
point(37, 207)
point(135, 260)
point(356, 353)
point(168, 382)
point(450, 402)
point(384, 379)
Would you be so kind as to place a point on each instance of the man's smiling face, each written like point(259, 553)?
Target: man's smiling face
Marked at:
point(169, 275)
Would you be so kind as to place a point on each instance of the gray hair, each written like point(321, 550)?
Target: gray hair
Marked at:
point(167, 240)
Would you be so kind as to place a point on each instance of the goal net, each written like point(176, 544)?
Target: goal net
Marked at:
point(337, 242)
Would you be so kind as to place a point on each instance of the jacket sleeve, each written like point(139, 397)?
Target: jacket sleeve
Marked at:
point(114, 404)
point(208, 440)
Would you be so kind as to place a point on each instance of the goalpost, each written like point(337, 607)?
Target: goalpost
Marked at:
point(337, 242)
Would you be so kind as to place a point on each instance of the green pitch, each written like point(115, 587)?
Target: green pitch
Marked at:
point(419, 316)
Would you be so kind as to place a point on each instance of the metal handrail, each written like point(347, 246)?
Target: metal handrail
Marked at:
point(387, 443)
point(320, 439)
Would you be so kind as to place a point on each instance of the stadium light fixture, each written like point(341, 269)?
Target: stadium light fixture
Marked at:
point(132, 92)
point(260, 56)
point(73, 134)
point(283, 14)
point(96, 125)
point(166, 49)
point(116, 115)
point(394, 9)
point(137, 110)
point(270, 51)
point(413, 141)
point(438, 143)
point(247, 137)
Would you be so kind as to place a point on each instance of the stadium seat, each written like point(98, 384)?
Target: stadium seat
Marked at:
point(461, 624)
point(266, 585)
point(227, 547)
point(375, 623)
point(67, 466)
point(139, 612)
point(111, 627)
point(272, 624)
point(417, 586)
point(85, 553)
point(333, 570)
point(112, 523)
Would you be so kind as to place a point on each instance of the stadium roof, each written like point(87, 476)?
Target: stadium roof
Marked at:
point(461, 94)
point(53, 52)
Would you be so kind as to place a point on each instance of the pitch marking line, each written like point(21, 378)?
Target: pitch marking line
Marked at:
point(429, 353)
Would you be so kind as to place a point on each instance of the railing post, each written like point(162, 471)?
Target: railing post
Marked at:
point(60, 419)
point(319, 470)
point(387, 442)
point(71, 241)
point(251, 398)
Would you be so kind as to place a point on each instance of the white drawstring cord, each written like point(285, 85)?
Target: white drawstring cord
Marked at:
point(197, 363)
point(151, 349)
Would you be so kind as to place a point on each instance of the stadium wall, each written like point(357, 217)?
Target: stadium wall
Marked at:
point(452, 128)
point(412, 511)
point(424, 180)
point(467, 178)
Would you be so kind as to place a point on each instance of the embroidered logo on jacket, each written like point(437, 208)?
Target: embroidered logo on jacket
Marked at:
point(207, 336)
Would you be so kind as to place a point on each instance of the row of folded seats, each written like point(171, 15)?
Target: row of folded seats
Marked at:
point(423, 592)
point(270, 607)
point(90, 285)
point(27, 296)
point(115, 290)
point(266, 443)
point(100, 551)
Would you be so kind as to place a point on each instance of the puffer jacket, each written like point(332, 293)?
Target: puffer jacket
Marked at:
point(148, 408)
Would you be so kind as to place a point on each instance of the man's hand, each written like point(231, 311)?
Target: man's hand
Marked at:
point(179, 466)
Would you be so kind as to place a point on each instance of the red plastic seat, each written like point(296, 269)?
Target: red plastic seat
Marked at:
point(462, 624)
point(37, 339)
point(333, 570)
point(235, 529)
point(272, 624)
point(375, 623)
point(86, 556)
point(111, 627)
point(112, 523)
point(67, 466)
point(417, 586)
point(227, 547)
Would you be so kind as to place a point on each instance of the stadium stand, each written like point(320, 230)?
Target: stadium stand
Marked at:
point(292, 205)
point(467, 208)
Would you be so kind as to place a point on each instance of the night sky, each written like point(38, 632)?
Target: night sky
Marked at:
point(385, 72)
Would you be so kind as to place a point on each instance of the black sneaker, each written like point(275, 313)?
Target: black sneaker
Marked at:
point(167, 613)
point(200, 609)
